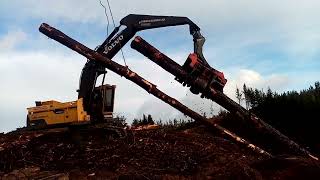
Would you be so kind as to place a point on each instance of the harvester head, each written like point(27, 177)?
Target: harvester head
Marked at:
point(201, 77)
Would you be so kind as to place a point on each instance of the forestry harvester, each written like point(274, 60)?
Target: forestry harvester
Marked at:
point(95, 104)
point(196, 73)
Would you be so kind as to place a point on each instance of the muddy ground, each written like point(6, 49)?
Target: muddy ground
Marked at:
point(166, 153)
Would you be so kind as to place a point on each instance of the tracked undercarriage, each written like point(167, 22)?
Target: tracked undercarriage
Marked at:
point(82, 132)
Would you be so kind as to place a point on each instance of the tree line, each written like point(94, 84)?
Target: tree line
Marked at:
point(295, 113)
point(148, 120)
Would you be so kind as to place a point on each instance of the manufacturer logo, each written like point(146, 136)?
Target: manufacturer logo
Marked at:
point(112, 45)
point(151, 20)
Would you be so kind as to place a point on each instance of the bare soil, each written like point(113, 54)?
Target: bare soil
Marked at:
point(193, 153)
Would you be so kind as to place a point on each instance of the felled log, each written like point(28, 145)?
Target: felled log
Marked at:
point(143, 83)
point(175, 69)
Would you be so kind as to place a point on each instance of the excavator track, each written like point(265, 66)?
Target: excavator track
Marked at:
point(81, 132)
point(104, 129)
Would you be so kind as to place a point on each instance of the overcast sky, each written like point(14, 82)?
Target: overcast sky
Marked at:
point(272, 43)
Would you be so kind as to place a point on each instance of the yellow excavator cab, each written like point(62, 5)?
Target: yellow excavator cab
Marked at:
point(53, 113)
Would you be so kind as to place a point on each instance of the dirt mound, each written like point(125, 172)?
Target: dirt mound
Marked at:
point(152, 154)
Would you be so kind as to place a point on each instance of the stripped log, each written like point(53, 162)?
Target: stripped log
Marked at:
point(175, 69)
point(143, 83)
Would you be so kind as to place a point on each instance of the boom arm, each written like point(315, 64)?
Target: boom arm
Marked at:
point(135, 23)
point(114, 42)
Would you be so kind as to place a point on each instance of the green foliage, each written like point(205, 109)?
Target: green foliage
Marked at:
point(239, 95)
point(175, 123)
point(135, 122)
point(150, 120)
point(171, 123)
point(119, 120)
point(294, 113)
point(146, 120)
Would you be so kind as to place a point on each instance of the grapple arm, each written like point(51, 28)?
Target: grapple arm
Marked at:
point(115, 41)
